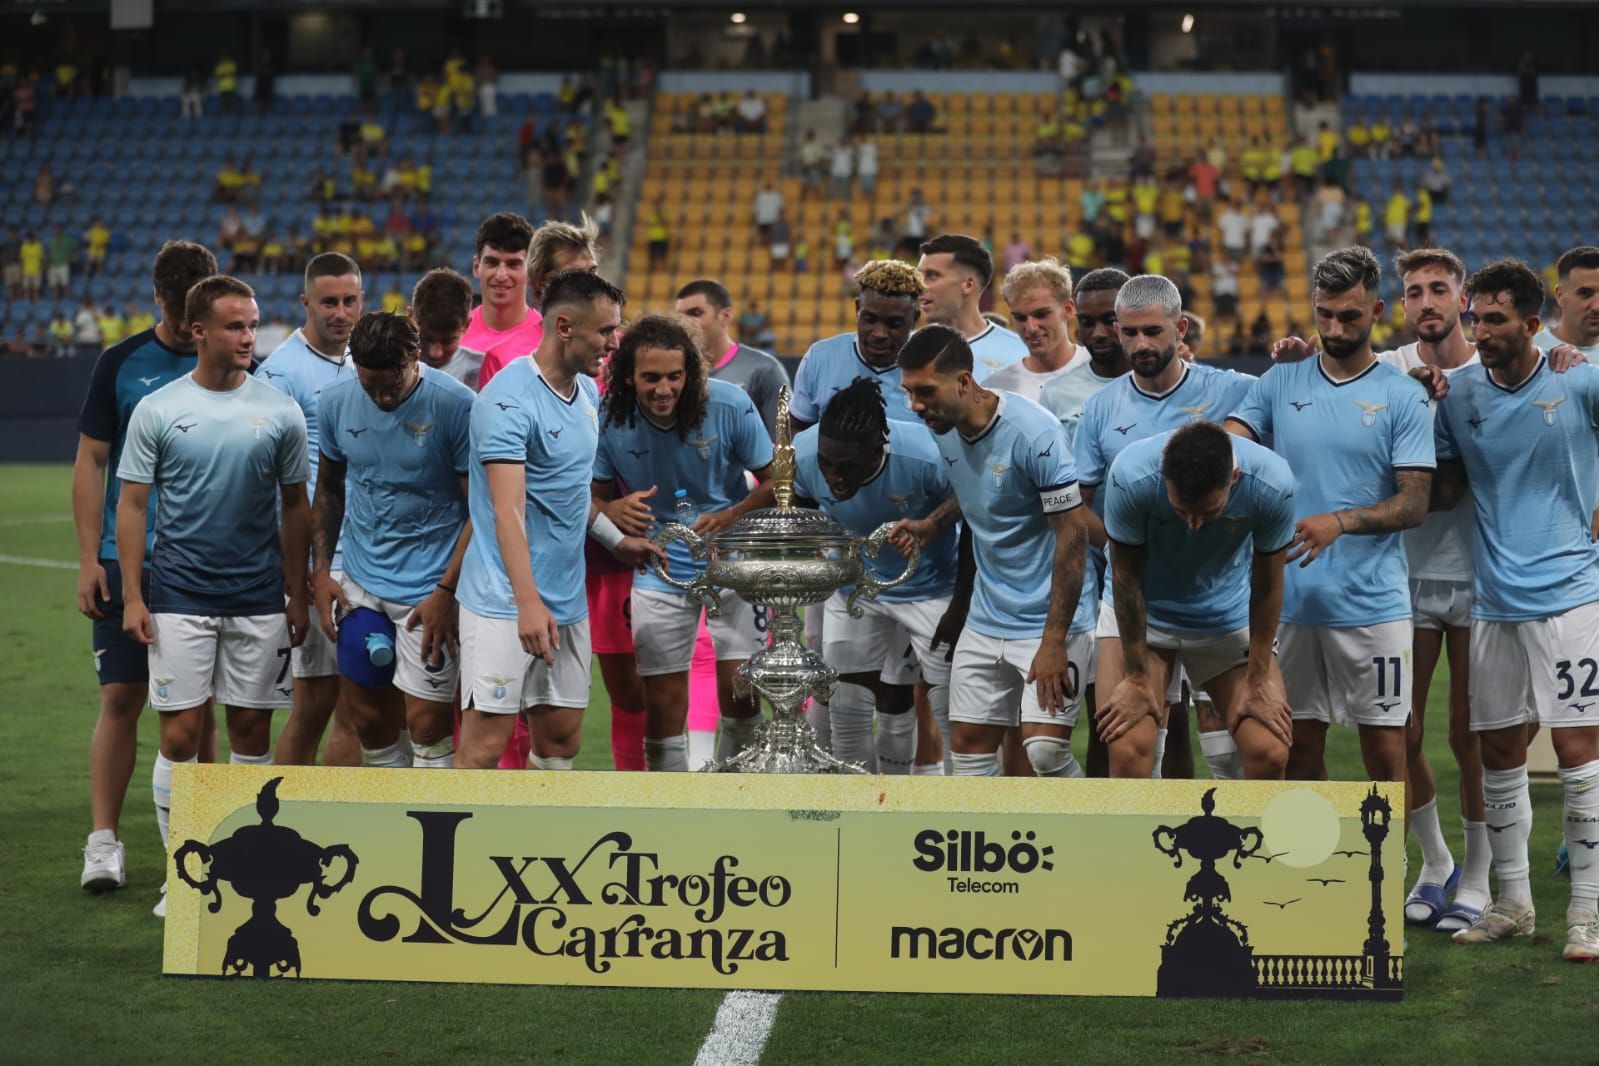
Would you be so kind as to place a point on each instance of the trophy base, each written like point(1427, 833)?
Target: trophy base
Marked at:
point(785, 745)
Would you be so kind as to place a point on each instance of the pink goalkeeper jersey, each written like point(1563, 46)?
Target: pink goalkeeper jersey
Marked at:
point(498, 347)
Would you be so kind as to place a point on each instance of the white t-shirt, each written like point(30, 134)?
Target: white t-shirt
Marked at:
point(1440, 548)
point(768, 205)
point(1234, 229)
point(1261, 228)
point(866, 159)
point(1015, 377)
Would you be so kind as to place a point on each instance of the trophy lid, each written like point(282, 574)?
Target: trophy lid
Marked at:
point(790, 522)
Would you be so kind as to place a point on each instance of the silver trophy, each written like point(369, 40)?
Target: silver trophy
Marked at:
point(784, 557)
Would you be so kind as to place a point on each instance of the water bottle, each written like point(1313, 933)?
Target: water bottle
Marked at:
point(380, 648)
point(687, 512)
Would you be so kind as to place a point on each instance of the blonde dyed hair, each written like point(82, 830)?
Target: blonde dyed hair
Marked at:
point(891, 278)
point(552, 237)
point(1049, 273)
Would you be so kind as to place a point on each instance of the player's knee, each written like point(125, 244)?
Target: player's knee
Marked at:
point(123, 701)
point(1051, 757)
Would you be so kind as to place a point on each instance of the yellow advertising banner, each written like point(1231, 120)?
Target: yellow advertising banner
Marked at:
point(893, 884)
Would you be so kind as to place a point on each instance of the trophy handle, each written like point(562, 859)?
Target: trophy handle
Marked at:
point(1171, 848)
point(1255, 839)
point(323, 891)
point(207, 887)
point(869, 586)
point(699, 588)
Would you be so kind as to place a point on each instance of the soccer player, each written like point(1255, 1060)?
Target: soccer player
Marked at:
point(956, 269)
point(441, 307)
point(669, 430)
point(395, 452)
point(314, 357)
point(1525, 442)
point(1008, 464)
point(1095, 303)
point(504, 327)
point(1039, 295)
point(224, 449)
point(707, 307)
point(122, 376)
point(885, 313)
point(1577, 294)
point(864, 470)
point(524, 626)
point(1162, 393)
point(1356, 433)
point(1183, 511)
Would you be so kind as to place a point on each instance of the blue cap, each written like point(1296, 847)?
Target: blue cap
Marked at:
point(362, 631)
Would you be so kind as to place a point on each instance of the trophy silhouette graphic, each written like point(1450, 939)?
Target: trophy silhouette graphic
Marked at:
point(264, 863)
point(1207, 953)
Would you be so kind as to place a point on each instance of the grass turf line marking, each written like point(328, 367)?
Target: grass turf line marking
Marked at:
point(743, 1022)
point(28, 560)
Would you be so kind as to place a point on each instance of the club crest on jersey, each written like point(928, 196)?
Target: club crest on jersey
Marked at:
point(1196, 412)
point(419, 432)
point(902, 502)
point(1368, 416)
point(1548, 409)
point(258, 424)
point(998, 470)
point(703, 446)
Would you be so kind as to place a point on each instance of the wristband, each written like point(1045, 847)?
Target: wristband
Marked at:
point(604, 530)
point(447, 588)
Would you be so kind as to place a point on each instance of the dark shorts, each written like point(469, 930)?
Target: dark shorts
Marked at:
point(118, 658)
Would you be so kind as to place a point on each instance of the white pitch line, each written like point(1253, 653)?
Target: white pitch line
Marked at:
point(35, 520)
point(28, 560)
point(743, 1022)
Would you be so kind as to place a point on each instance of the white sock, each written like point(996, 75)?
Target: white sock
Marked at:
point(976, 765)
point(928, 769)
point(1581, 785)
point(701, 748)
point(1160, 753)
point(405, 748)
point(736, 735)
point(1509, 808)
point(440, 756)
point(1221, 755)
point(819, 714)
point(549, 762)
point(667, 755)
point(1474, 866)
point(1051, 757)
point(161, 790)
point(391, 757)
point(103, 836)
point(850, 715)
point(1436, 862)
point(938, 701)
point(896, 742)
point(240, 759)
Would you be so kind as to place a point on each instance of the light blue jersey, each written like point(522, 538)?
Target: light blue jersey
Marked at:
point(1009, 480)
point(994, 349)
point(710, 465)
point(296, 369)
point(1122, 413)
point(1545, 340)
point(1532, 457)
point(518, 418)
point(216, 460)
point(1344, 440)
point(1199, 582)
point(404, 507)
point(909, 484)
point(832, 364)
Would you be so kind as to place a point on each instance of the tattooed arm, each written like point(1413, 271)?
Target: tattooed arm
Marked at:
point(1049, 668)
point(1405, 509)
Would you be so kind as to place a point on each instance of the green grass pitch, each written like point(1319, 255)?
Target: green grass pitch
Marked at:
point(83, 978)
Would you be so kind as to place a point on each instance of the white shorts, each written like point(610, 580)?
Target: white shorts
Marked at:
point(1545, 671)
point(1155, 638)
point(412, 675)
point(1356, 675)
point(988, 681)
point(239, 662)
point(1440, 605)
point(317, 656)
point(877, 641)
point(666, 624)
point(498, 677)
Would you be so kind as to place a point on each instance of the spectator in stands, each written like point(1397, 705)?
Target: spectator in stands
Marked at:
point(1194, 339)
point(394, 300)
point(1224, 287)
point(1015, 253)
point(1396, 215)
point(555, 180)
point(274, 254)
point(97, 239)
point(488, 87)
point(1238, 340)
point(842, 169)
point(1382, 135)
point(1080, 253)
point(1437, 181)
point(890, 113)
point(1171, 209)
point(229, 228)
point(813, 161)
point(617, 121)
point(843, 239)
point(226, 77)
point(374, 138)
point(1269, 266)
point(138, 318)
point(61, 331)
point(1234, 227)
point(863, 114)
point(1146, 198)
point(1263, 226)
point(780, 242)
point(86, 328)
point(755, 327)
point(1253, 165)
point(1421, 218)
point(1527, 81)
point(266, 82)
point(24, 100)
point(30, 257)
point(1273, 168)
point(63, 251)
point(113, 327)
point(918, 219)
point(1304, 161)
point(657, 235)
point(229, 181)
point(191, 101)
point(604, 213)
point(44, 186)
point(866, 165)
point(1363, 221)
point(1092, 202)
point(1330, 200)
point(768, 206)
point(750, 115)
point(1358, 136)
point(1260, 332)
point(364, 77)
point(921, 115)
point(1407, 137)
point(11, 264)
point(399, 79)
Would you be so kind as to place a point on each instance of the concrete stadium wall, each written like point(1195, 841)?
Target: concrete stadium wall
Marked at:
point(39, 401)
